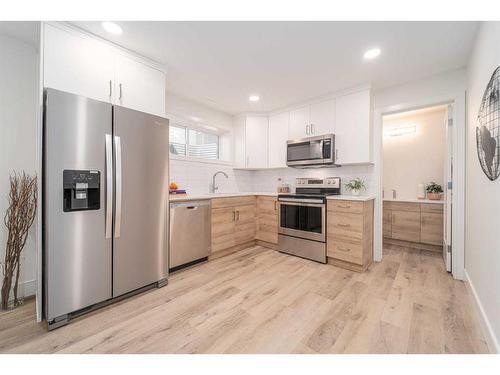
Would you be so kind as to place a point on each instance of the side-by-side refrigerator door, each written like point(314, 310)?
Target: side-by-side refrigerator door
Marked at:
point(140, 252)
point(77, 203)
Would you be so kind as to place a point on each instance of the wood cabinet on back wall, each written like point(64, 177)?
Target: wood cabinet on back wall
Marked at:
point(233, 222)
point(267, 219)
point(414, 223)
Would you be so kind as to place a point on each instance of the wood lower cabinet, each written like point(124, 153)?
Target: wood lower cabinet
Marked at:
point(233, 222)
point(267, 219)
point(405, 225)
point(431, 228)
point(350, 234)
point(417, 224)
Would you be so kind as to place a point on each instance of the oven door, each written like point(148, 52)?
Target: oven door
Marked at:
point(302, 219)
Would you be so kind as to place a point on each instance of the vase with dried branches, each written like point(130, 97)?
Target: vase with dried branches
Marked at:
point(18, 219)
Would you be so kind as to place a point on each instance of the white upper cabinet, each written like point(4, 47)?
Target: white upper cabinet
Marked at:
point(322, 119)
point(299, 123)
point(278, 135)
point(78, 63)
point(256, 141)
point(352, 128)
point(139, 86)
point(250, 142)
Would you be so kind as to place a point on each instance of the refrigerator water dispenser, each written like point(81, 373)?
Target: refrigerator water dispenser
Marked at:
point(82, 190)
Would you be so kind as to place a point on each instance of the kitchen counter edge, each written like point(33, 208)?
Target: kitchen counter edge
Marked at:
point(194, 197)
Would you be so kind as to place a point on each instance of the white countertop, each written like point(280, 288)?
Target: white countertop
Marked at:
point(415, 201)
point(194, 197)
point(362, 198)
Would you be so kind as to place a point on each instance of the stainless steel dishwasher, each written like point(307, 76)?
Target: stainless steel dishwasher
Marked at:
point(190, 233)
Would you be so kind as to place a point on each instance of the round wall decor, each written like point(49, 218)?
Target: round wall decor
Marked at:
point(488, 128)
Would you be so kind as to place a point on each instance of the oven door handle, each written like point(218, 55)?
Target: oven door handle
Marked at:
point(304, 202)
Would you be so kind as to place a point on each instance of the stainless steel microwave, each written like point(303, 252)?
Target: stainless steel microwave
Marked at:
point(311, 152)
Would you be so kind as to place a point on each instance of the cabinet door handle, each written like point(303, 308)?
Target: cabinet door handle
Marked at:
point(275, 205)
point(340, 206)
point(344, 249)
point(110, 88)
point(237, 215)
point(234, 215)
point(344, 225)
point(120, 96)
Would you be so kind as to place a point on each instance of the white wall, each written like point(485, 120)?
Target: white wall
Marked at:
point(267, 180)
point(18, 103)
point(482, 257)
point(417, 158)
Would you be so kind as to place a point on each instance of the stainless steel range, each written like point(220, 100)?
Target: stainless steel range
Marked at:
point(302, 218)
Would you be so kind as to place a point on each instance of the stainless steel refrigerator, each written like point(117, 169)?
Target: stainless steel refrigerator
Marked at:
point(105, 202)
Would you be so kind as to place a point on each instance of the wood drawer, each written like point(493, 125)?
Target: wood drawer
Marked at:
point(233, 201)
point(345, 226)
point(346, 251)
point(402, 206)
point(345, 206)
point(432, 207)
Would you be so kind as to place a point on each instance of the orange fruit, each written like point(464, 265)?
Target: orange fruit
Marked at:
point(172, 186)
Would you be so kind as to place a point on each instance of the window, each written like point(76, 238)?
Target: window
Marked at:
point(193, 143)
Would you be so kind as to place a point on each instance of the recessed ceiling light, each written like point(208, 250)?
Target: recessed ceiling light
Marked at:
point(112, 27)
point(371, 53)
point(254, 98)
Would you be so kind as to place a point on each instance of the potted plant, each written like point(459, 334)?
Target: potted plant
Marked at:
point(355, 186)
point(434, 191)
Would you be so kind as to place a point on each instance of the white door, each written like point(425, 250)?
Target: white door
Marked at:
point(77, 64)
point(278, 135)
point(352, 128)
point(239, 142)
point(299, 123)
point(139, 86)
point(447, 248)
point(256, 141)
point(323, 117)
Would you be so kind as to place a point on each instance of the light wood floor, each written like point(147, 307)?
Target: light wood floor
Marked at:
point(260, 301)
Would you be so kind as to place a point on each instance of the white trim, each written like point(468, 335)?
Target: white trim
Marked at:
point(199, 160)
point(489, 334)
point(332, 95)
point(75, 30)
point(39, 172)
point(458, 220)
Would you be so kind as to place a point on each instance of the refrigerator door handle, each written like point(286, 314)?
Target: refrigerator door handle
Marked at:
point(109, 185)
point(118, 188)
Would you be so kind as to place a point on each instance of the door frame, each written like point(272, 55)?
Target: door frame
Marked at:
point(457, 99)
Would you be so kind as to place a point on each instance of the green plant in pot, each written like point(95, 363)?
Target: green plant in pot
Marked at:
point(434, 191)
point(355, 186)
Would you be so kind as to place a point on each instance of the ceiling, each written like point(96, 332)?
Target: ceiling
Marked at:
point(221, 63)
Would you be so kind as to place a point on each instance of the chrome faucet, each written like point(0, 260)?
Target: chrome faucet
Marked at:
point(215, 187)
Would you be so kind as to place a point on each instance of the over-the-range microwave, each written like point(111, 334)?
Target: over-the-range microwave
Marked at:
point(311, 152)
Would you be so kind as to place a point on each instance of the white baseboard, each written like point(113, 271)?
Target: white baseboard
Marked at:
point(29, 288)
point(491, 339)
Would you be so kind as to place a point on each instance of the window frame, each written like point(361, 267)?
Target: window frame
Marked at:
point(186, 155)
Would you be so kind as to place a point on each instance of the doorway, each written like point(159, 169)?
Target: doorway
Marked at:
point(415, 179)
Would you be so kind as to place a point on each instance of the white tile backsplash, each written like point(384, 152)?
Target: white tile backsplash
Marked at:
point(196, 177)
